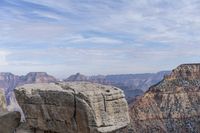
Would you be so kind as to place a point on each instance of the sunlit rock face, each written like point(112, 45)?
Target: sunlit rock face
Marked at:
point(171, 106)
point(77, 107)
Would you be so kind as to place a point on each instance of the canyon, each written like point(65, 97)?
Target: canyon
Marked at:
point(169, 106)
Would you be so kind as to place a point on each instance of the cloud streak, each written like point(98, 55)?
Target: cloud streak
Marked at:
point(98, 37)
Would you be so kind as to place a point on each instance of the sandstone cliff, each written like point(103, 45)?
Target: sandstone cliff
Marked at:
point(77, 107)
point(171, 106)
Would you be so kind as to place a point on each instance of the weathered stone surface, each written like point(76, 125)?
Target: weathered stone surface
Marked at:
point(171, 106)
point(77, 107)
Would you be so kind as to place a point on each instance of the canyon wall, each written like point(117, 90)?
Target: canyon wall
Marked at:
point(172, 105)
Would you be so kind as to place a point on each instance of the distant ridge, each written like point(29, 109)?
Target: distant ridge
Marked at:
point(132, 84)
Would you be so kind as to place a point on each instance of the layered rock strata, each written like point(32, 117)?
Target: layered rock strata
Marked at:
point(171, 106)
point(77, 107)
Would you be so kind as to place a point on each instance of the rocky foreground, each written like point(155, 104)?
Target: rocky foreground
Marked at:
point(171, 106)
point(72, 108)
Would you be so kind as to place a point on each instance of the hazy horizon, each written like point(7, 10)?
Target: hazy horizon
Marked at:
point(63, 37)
point(66, 76)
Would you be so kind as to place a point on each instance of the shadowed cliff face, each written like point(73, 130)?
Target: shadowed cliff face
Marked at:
point(173, 105)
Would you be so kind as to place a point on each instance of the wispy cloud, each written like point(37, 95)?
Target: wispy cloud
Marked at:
point(115, 36)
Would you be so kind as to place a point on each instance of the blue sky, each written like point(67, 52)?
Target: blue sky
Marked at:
point(63, 37)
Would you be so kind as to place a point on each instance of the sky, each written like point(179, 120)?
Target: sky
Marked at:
point(92, 37)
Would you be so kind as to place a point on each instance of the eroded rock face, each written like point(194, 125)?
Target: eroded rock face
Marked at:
point(171, 106)
point(77, 107)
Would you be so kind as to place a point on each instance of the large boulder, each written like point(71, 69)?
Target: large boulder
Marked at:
point(77, 107)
